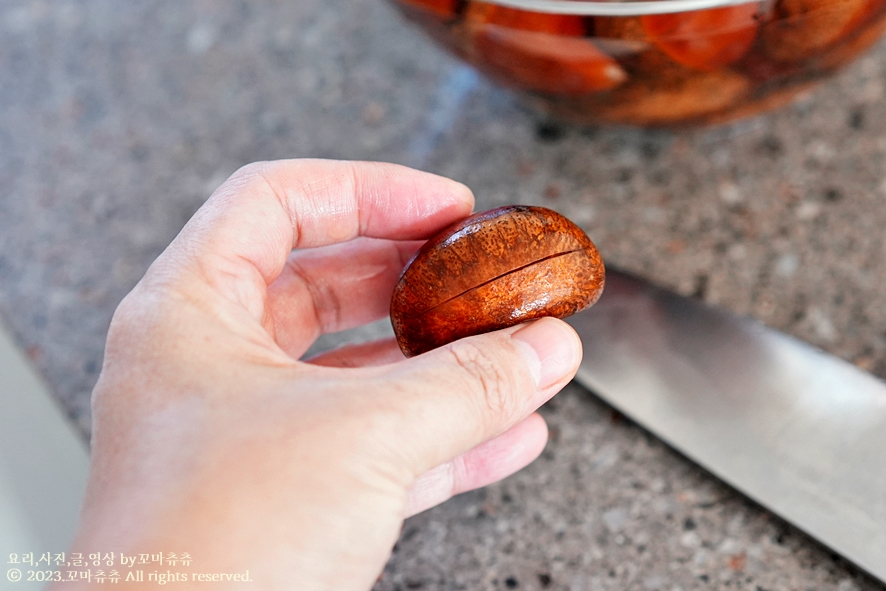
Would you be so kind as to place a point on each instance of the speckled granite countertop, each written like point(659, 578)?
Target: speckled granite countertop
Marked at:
point(117, 119)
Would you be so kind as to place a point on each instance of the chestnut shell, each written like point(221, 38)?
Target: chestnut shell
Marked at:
point(493, 270)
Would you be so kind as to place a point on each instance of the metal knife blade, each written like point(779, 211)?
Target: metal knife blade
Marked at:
point(798, 430)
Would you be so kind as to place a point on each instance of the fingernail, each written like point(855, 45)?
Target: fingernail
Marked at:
point(553, 353)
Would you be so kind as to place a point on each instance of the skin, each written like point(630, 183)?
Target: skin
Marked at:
point(211, 437)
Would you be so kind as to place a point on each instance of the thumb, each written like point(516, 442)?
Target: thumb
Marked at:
point(470, 391)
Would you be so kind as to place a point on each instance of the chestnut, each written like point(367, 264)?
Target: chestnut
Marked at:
point(542, 52)
point(808, 27)
point(493, 270)
point(483, 13)
point(705, 39)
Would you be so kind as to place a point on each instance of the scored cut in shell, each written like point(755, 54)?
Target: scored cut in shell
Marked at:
point(493, 270)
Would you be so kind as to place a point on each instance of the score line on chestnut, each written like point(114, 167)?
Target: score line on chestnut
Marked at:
point(493, 270)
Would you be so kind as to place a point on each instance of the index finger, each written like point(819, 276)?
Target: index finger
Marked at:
point(250, 224)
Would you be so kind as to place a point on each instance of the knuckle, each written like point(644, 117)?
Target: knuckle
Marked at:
point(252, 175)
point(148, 316)
point(126, 318)
point(496, 385)
point(251, 170)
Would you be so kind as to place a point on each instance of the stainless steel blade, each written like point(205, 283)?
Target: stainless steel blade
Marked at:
point(800, 431)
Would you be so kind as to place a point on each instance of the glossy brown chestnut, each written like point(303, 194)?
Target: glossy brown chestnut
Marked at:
point(493, 270)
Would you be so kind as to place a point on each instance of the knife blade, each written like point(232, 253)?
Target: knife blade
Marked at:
point(800, 431)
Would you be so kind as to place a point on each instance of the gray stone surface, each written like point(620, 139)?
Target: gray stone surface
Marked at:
point(607, 506)
point(117, 119)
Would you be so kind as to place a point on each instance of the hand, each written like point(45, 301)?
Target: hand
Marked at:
point(211, 438)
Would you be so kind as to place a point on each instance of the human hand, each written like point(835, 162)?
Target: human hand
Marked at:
point(210, 437)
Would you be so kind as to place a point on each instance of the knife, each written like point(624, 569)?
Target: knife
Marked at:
point(799, 431)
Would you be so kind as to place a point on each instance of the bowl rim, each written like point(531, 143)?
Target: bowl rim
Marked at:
point(621, 7)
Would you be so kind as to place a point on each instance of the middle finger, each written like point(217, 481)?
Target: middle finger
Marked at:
point(334, 288)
